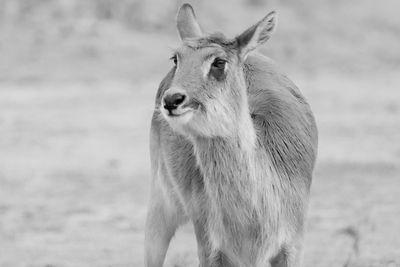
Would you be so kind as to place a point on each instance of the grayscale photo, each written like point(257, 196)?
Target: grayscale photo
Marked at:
point(198, 133)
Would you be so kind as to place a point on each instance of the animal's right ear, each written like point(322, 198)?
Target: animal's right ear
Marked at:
point(186, 23)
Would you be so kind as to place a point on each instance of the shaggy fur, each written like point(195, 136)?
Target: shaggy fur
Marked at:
point(240, 167)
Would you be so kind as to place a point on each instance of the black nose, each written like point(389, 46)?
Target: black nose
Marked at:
point(171, 102)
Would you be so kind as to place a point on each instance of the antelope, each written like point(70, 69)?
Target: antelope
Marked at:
point(233, 145)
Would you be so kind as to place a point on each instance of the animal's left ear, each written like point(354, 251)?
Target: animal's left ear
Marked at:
point(257, 34)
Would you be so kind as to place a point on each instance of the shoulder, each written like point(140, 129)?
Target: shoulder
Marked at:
point(271, 92)
point(283, 119)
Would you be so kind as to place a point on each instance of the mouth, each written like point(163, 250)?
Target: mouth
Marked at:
point(175, 113)
point(182, 115)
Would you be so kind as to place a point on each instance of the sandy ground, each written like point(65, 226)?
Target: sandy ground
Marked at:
point(74, 160)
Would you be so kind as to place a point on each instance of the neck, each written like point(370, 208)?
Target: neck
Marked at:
point(227, 164)
point(222, 155)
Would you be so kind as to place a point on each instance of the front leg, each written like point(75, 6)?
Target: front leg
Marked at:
point(162, 221)
point(208, 257)
point(290, 256)
point(204, 250)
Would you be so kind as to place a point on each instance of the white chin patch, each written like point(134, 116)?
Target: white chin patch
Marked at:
point(177, 122)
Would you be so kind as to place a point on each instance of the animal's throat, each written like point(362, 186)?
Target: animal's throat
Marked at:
point(231, 189)
point(228, 171)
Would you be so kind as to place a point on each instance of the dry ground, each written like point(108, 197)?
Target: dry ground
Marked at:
point(74, 123)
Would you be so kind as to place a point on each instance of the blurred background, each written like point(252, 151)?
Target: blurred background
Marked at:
point(77, 84)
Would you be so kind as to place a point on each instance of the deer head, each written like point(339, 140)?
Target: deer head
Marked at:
point(207, 96)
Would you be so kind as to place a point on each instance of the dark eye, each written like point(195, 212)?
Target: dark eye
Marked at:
point(174, 59)
point(217, 69)
point(219, 63)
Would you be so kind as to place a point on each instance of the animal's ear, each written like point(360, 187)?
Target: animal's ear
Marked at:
point(256, 35)
point(186, 22)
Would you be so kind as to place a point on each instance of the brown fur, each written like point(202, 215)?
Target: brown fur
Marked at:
point(240, 169)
